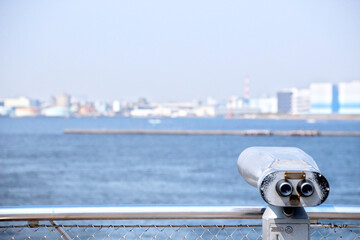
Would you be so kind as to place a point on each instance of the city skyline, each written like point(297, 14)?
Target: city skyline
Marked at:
point(318, 98)
point(168, 51)
point(240, 94)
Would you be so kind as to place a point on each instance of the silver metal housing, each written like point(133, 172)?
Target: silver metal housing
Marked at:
point(265, 167)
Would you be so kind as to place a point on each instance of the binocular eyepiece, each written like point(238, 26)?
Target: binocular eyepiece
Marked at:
point(285, 176)
point(284, 188)
point(305, 188)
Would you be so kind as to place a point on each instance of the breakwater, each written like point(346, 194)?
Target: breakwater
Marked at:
point(214, 132)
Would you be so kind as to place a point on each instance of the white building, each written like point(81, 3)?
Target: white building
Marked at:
point(239, 106)
point(142, 112)
point(235, 102)
point(63, 100)
point(293, 101)
point(116, 106)
point(4, 111)
point(322, 98)
point(349, 97)
point(266, 104)
point(162, 111)
point(211, 101)
point(180, 113)
point(56, 112)
point(205, 111)
point(101, 107)
point(174, 109)
point(18, 102)
point(25, 112)
point(300, 103)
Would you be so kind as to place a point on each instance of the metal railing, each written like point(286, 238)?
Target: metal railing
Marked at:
point(77, 222)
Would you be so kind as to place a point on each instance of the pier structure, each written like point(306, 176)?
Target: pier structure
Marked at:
point(249, 132)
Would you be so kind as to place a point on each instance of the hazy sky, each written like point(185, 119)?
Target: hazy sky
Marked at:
point(174, 50)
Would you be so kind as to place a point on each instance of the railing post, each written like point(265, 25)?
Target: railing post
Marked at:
point(60, 230)
point(281, 223)
point(33, 223)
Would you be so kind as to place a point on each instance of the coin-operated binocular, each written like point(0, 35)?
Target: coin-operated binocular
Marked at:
point(288, 179)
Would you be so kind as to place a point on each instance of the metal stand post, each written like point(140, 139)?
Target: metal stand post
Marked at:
point(285, 223)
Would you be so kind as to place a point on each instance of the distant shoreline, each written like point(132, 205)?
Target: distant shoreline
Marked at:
point(308, 117)
point(298, 117)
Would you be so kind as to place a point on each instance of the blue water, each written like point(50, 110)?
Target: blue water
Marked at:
point(57, 125)
point(42, 166)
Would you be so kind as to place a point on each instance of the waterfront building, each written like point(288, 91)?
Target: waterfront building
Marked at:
point(26, 112)
point(4, 111)
point(235, 102)
point(284, 101)
point(264, 104)
point(174, 109)
point(211, 101)
point(74, 108)
point(142, 102)
point(180, 113)
point(323, 98)
point(86, 109)
point(162, 111)
point(240, 106)
point(101, 108)
point(116, 106)
point(142, 111)
point(251, 106)
point(300, 102)
point(293, 101)
point(175, 105)
point(205, 111)
point(63, 100)
point(56, 112)
point(18, 102)
point(234, 106)
point(349, 97)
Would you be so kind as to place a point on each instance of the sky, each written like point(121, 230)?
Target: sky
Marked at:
point(174, 50)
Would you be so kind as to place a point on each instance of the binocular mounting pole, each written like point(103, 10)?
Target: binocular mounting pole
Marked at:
point(285, 223)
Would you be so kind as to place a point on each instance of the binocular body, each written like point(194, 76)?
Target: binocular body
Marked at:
point(285, 176)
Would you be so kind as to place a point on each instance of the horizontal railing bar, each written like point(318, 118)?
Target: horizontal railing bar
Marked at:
point(130, 212)
point(162, 212)
point(143, 226)
point(340, 212)
point(314, 226)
